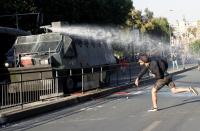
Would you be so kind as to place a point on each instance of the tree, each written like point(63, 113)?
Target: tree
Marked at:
point(160, 27)
point(12, 14)
point(195, 47)
point(147, 23)
point(113, 12)
point(82, 11)
point(148, 14)
point(17, 6)
point(192, 30)
point(134, 19)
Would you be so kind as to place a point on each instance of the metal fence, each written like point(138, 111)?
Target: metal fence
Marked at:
point(25, 91)
point(20, 93)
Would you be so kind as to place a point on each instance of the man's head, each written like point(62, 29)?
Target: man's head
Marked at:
point(143, 59)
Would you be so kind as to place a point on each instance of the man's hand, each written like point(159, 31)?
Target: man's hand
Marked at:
point(137, 82)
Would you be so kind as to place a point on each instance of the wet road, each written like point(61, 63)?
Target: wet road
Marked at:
point(126, 111)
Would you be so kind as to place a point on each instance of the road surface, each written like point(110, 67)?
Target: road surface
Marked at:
point(125, 111)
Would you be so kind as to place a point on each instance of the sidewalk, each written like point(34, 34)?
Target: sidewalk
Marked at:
point(41, 107)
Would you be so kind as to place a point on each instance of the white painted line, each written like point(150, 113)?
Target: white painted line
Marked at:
point(152, 126)
point(138, 92)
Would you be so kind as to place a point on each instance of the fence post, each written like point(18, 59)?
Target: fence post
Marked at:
point(93, 77)
point(130, 64)
point(118, 76)
point(21, 91)
point(2, 95)
point(101, 77)
point(70, 72)
point(56, 83)
point(82, 75)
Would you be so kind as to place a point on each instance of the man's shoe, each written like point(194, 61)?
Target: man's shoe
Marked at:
point(193, 90)
point(153, 110)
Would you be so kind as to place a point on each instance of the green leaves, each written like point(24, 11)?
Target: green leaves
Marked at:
point(86, 11)
point(147, 23)
point(17, 6)
point(102, 12)
point(195, 47)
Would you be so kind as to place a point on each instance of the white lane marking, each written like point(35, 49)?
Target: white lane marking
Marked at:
point(152, 126)
point(100, 106)
point(82, 109)
point(89, 108)
point(138, 92)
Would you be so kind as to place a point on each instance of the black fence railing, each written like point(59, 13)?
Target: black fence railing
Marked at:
point(23, 86)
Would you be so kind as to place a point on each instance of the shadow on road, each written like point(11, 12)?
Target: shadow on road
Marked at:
point(176, 77)
point(189, 82)
point(185, 102)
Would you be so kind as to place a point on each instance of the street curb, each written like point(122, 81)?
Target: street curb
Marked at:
point(61, 103)
point(184, 70)
point(68, 101)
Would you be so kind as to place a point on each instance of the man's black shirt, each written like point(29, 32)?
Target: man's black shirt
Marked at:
point(157, 66)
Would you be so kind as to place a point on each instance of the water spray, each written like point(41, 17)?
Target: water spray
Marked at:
point(130, 40)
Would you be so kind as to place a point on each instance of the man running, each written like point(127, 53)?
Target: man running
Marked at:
point(158, 67)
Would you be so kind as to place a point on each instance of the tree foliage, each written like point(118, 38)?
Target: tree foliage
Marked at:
point(134, 19)
point(148, 14)
point(113, 12)
point(160, 27)
point(147, 23)
point(86, 11)
point(195, 47)
point(13, 14)
point(192, 30)
point(8, 7)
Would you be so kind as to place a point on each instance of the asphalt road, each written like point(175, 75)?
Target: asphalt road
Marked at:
point(125, 111)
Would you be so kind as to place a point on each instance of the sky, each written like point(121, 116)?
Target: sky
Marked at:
point(173, 10)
